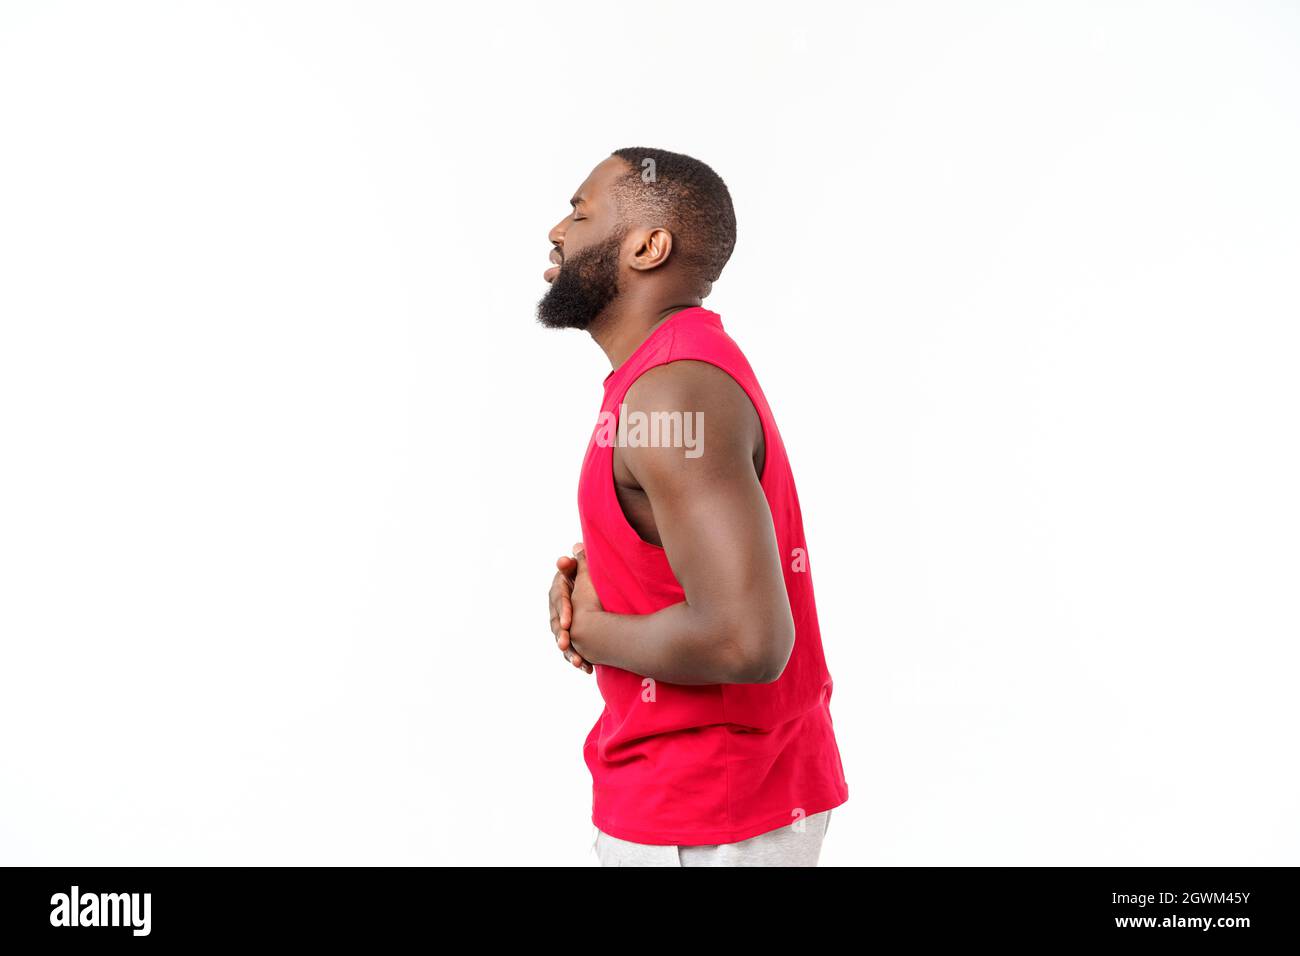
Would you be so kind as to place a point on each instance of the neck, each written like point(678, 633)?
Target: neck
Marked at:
point(623, 326)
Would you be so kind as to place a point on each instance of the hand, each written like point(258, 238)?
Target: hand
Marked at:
point(583, 600)
point(561, 604)
point(583, 595)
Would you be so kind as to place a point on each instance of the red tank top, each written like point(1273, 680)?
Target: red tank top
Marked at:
point(702, 764)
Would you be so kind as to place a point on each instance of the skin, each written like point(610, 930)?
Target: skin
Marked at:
point(709, 514)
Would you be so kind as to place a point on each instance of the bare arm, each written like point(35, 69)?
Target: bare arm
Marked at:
point(734, 625)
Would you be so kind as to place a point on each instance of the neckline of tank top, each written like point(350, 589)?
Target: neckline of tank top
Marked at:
point(627, 362)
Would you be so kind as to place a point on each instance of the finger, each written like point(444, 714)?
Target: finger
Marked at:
point(557, 598)
point(566, 564)
point(577, 548)
point(566, 612)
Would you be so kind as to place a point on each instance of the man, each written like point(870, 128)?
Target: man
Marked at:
point(689, 594)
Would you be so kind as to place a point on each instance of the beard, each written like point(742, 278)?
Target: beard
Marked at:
point(584, 286)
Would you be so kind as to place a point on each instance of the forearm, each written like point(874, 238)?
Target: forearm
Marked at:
point(677, 645)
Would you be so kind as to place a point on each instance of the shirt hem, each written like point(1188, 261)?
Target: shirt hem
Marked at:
point(713, 837)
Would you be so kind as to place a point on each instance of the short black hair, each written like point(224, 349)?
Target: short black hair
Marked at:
point(684, 196)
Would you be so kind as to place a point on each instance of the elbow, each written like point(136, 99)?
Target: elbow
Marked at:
point(761, 655)
point(760, 673)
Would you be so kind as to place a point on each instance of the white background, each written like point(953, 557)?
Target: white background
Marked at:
point(287, 459)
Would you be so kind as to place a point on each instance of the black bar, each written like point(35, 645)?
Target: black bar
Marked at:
point(368, 906)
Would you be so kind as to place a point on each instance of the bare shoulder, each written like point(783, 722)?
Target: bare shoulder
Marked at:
point(713, 410)
point(690, 385)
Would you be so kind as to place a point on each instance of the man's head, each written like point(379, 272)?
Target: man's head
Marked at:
point(644, 219)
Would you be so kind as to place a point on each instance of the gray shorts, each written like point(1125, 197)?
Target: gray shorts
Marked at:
point(792, 845)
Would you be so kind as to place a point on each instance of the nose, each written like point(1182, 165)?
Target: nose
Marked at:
point(556, 235)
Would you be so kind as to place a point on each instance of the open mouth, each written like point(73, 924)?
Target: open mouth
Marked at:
point(550, 274)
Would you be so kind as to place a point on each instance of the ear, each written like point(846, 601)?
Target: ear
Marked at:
point(652, 249)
